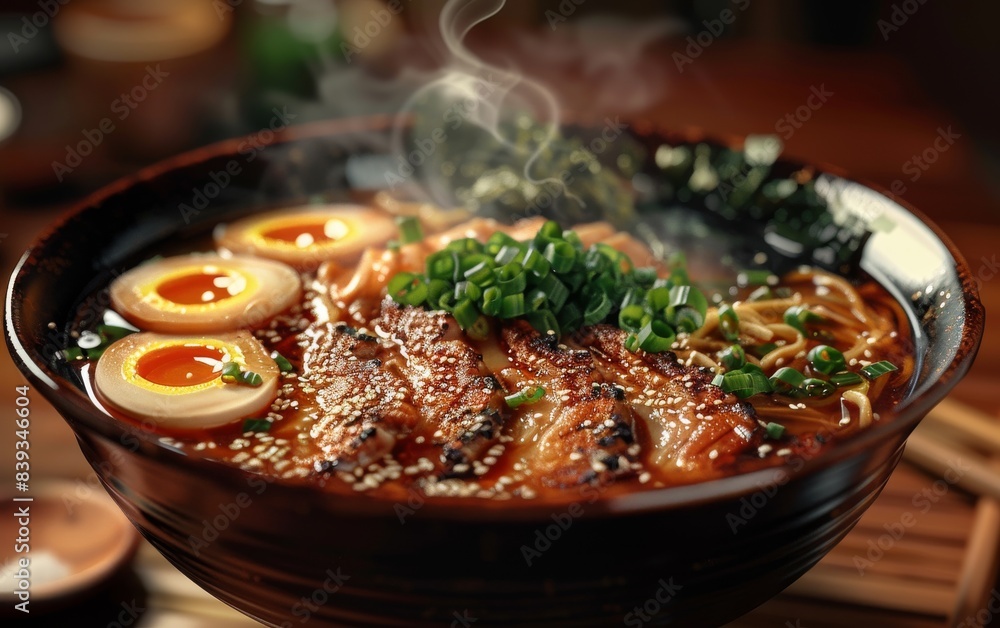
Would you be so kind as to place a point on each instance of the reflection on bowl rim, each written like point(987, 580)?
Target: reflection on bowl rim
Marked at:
point(632, 502)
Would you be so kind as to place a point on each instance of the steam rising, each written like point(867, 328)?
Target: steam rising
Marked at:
point(472, 91)
point(470, 131)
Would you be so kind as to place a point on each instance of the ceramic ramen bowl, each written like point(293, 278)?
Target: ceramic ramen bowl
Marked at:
point(285, 553)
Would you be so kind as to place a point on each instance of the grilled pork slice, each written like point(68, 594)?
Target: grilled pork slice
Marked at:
point(459, 400)
point(694, 428)
point(581, 429)
point(362, 398)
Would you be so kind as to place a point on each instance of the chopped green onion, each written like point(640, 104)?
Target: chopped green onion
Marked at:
point(435, 289)
point(798, 316)
point(556, 290)
point(826, 360)
point(774, 430)
point(878, 369)
point(570, 317)
point(492, 297)
point(256, 425)
point(543, 320)
point(760, 294)
point(252, 379)
point(509, 254)
point(442, 265)
point(745, 382)
point(72, 353)
point(656, 336)
point(535, 299)
point(283, 364)
point(524, 396)
point(814, 387)
point(658, 299)
point(787, 381)
point(687, 308)
point(597, 309)
point(445, 302)
point(465, 246)
point(573, 238)
point(729, 322)
point(409, 229)
point(688, 296)
point(688, 320)
point(477, 268)
point(498, 241)
point(111, 333)
point(467, 290)
point(595, 261)
point(231, 372)
point(536, 264)
point(631, 318)
point(480, 274)
point(845, 378)
point(633, 296)
point(756, 277)
point(511, 279)
point(644, 276)
point(408, 289)
point(632, 343)
point(561, 255)
point(549, 230)
point(512, 306)
point(733, 357)
point(465, 313)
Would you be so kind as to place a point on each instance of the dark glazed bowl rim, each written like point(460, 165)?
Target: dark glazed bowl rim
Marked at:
point(70, 400)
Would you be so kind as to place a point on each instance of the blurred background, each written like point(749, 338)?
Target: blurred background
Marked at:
point(899, 93)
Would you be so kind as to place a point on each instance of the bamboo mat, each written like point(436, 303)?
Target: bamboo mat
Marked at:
point(924, 555)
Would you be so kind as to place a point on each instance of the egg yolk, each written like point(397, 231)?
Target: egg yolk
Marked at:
point(181, 365)
point(197, 288)
point(307, 234)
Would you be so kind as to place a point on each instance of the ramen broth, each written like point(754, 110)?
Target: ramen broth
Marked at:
point(867, 324)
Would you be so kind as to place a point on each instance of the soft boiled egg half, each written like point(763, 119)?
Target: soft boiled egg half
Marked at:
point(192, 294)
point(177, 381)
point(308, 236)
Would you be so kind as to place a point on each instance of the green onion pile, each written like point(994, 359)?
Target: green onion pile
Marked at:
point(555, 284)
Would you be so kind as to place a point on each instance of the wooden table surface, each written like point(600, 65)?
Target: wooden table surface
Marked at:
point(873, 121)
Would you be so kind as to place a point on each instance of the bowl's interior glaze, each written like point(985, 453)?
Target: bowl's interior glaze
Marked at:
point(263, 563)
